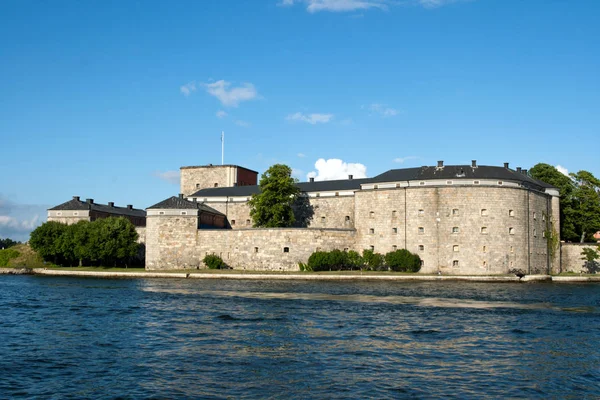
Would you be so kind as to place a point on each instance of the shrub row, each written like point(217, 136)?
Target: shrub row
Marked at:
point(337, 260)
point(107, 242)
point(213, 261)
point(6, 255)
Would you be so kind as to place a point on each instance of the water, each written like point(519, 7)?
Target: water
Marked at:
point(151, 338)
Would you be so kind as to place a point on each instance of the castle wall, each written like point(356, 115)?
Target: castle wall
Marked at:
point(193, 179)
point(571, 258)
point(457, 230)
point(332, 212)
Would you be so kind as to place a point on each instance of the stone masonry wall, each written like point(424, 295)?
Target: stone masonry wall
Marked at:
point(195, 178)
point(455, 230)
point(264, 249)
point(571, 258)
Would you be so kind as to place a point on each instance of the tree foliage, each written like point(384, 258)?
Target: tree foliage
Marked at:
point(337, 260)
point(579, 201)
point(213, 261)
point(107, 241)
point(6, 255)
point(6, 243)
point(273, 206)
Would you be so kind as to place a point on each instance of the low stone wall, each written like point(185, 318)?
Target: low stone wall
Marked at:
point(572, 260)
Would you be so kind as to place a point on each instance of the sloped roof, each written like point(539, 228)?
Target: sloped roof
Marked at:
point(179, 203)
point(394, 175)
point(458, 172)
point(76, 204)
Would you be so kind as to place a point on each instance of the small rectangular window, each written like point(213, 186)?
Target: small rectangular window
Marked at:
point(422, 183)
point(421, 247)
point(512, 249)
point(543, 234)
point(534, 215)
point(511, 213)
point(247, 222)
point(371, 231)
point(543, 217)
point(534, 232)
point(233, 222)
point(421, 230)
point(500, 183)
point(286, 249)
point(394, 230)
point(455, 212)
point(484, 249)
point(372, 214)
point(372, 248)
point(197, 186)
point(184, 213)
point(511, 231)
point(455, 263)
point(337, 193)
point(161, 213)
point(484, 212)
point(216, 184)
point(323, 219)
point(394, 248)
point(421, 213)
point(256, 249)
point(448, 182)
point(455, 229)
point(394, 214)
point(484, 230)
point(475, 182)
point(455, 248)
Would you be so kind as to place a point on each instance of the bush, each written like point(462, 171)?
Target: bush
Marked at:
point(6, 255)
point(319, 261)
point(355, 260)
point(372, 260)
point(213, 261)
point(403, 261)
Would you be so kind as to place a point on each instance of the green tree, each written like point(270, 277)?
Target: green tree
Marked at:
point(579, 201)
point(587, 204)
point(46, 240)
point(6, 243)
point(272, 207)
point(590, 256)
point(114, 239)
point(403, 261)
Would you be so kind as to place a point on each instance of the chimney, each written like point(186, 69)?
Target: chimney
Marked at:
point(89, 201)
point(350, 177)
point(519, 169)
point(76, 198)
point(312, 179)
point(474, 163)
point(181, 195)
point(129, 207)
point(111, 204)
point(524, 172)
point(506, 165)
point(441, 164)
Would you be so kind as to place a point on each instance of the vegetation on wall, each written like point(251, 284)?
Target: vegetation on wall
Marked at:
point(590, 256)
point(579, 201)
point(273, 206)
point(337, 260)
point(107, 242)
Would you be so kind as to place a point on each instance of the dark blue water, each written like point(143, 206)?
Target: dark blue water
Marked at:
point(90, 338)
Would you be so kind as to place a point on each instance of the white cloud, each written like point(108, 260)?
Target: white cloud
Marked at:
point(334, 168)
point(169, 176)
point(231, 96)
point(221, 114)
point(402, 160)
point(301, 155)
point(562, 170)
point(381, 110)
point(243, 124)
point(18, 220)
point(188, 88)
point(313, 6)
point(310, 118)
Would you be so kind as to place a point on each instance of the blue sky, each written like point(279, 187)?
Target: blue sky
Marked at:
point(107, 99)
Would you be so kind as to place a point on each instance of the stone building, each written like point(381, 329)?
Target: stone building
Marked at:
point(460, 219)
point(76, 210)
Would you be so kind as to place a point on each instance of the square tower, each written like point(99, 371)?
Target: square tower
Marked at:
point(210, 176)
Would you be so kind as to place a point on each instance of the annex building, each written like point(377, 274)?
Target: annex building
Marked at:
point(460, 219)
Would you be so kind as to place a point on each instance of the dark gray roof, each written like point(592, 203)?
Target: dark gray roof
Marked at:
point(394, 175)
point(76, 204)
point(179, 203)
point(459, 172)
point(320, 186)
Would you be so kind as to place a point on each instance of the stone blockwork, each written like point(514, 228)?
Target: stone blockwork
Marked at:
point(68, 216)
point(209, 176)
point(572, 260)
point(466, 230)
point(175, 243)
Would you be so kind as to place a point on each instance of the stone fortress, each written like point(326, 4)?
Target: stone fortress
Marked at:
point(460, 219)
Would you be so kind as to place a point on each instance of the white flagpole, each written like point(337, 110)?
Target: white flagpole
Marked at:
point(222, 147)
